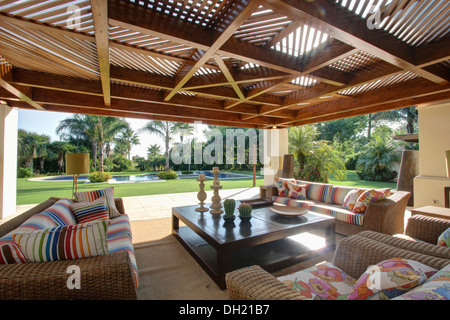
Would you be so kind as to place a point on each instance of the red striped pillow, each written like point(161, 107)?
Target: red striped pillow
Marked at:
point(108, 193)
point(64, 242)
point(90, 211)
point(10, 253)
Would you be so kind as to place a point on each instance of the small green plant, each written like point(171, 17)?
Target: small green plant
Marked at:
point(167, 175)
point(245, 209)
point(229, 205)
point(99, 177)
point(24, 172)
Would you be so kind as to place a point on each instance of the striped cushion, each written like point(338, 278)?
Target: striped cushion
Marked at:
point(319, 192)
point(64, 242)
point(338, 193)
point(58, 214)
point(119, 227)
point(119, 239)
point(339, 213)
point(90, 211)
point(108, 193)
point(293, 202)
point(10, 253)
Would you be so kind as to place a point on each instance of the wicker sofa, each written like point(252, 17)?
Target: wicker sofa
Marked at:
point(109, 276)
point(353, 256)
point(385, 216)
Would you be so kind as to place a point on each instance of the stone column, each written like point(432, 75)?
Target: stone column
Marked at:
point(8, 160)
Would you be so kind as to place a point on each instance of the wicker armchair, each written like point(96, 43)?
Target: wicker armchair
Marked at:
point(102, 277)
point(353, 255)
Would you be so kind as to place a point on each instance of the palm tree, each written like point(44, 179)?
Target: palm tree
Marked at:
point(41, 150)
point(99, 131)
point(127, 138)
point(381, 154)
point(60, 148)
point(31, 146)
point(311, 153)
point(183, 129)
point(112, 126)
point(153, 150)
point(81, 128)
point(302, 141)
point(164, 129)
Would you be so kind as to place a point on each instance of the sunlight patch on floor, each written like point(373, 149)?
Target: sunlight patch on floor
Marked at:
point(309, 240)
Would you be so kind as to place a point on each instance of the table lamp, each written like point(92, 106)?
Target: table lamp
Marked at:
point(76, 164)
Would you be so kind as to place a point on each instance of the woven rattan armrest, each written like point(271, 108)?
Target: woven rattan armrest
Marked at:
point(356, 253)
point(102, 277)
point(254, 283)
point(387, 215)
point(426, 228)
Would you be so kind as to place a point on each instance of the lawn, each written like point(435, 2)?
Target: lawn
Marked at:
point(30, 192)
point(352, 180)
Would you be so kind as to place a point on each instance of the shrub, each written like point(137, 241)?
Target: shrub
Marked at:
point(166, 175)
point(24, 172)
point(310, 174)
point(99, 177)
point(186, 172)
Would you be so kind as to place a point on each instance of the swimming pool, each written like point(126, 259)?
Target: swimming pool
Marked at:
point(223, 175)
point(134, 178)
point(59, 178)
point(114, 179)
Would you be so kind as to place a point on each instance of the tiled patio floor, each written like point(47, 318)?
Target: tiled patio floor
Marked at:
point(160, 206)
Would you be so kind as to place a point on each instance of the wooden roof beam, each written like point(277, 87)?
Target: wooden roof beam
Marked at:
point(101, 27)
point(59, 84)
point(228, 76)
point(352, 29)
point(412, 101)
point(227, 31)
point(46, 96)
point(126, 114)
point(149, 22)
point(81, 36)
point(5, 78)
point(371, 73)
point(244, 76)
point(405, 90)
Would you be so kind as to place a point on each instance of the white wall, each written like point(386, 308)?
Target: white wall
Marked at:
point(434, 140)
point(8, 160)
point(276, 145)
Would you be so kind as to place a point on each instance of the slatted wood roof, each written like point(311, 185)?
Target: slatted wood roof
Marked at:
point(246, 63)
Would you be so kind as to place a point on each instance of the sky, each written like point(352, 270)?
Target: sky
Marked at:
point(45, 122)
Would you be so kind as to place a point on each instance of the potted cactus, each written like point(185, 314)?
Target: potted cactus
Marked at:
point(229, 205)
point(245, 211)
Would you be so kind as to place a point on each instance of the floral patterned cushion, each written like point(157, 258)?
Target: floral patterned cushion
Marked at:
point(351, 197)
point(389, 279)
point(321, 282)
point(367, 197)
point(444, 239)
point(435, 288)
point(282, 186)
point(297, 191)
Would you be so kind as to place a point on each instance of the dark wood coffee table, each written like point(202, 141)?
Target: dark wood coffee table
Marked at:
point(221, 247)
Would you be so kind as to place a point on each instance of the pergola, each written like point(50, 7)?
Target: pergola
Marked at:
point(244, 63)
